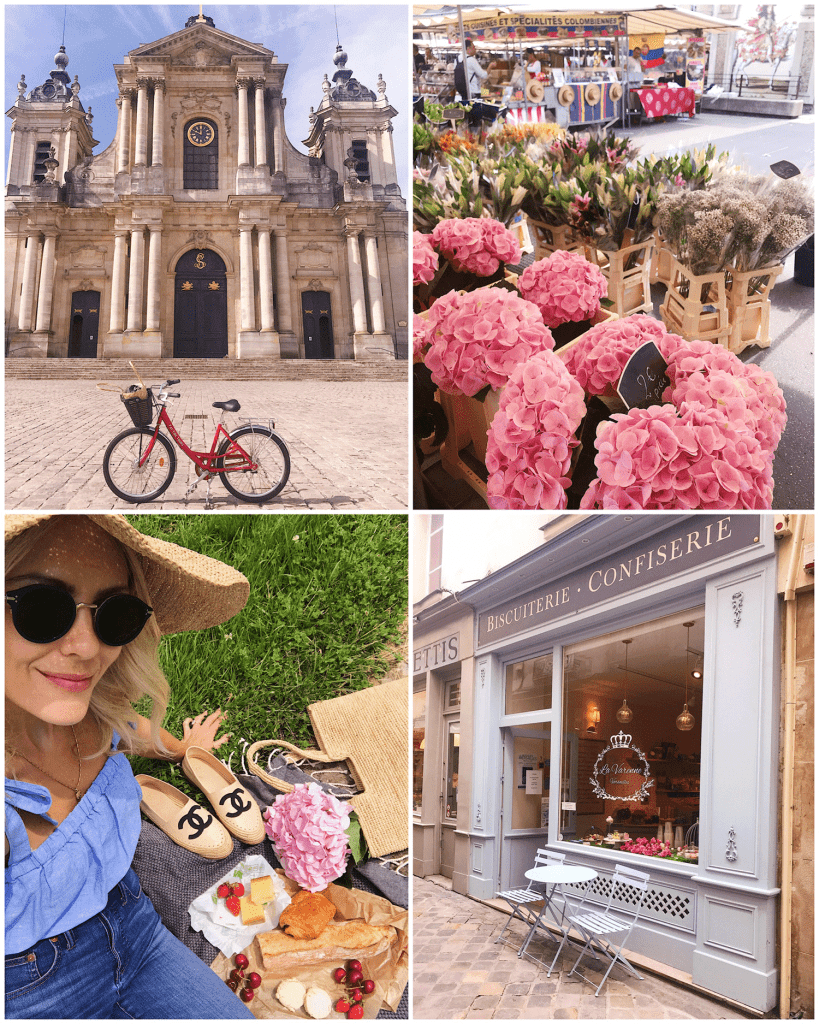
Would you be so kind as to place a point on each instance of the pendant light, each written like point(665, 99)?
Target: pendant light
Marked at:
point(625, 714)
point(685, 720)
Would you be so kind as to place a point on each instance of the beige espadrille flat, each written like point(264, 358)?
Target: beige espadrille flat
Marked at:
point(187, 823)
point(233, 805)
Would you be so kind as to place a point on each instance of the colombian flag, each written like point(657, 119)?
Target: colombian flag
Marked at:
point(651, 47)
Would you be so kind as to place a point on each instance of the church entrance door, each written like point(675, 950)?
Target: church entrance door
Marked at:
point(318, 325)
point(200, 306)
point(83, 329)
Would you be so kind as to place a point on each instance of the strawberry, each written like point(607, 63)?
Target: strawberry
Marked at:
point(232, 903)
point(342, 1006)
point(237, 889)
point(355, 1012)
point(223, 890)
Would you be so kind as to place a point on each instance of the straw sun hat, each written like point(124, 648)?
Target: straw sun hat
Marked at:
point(188, 590)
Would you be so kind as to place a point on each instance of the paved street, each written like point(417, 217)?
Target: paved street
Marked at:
point(347, 441)
point(460, 973)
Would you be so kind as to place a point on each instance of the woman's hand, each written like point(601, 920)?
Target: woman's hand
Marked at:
point(201, 731)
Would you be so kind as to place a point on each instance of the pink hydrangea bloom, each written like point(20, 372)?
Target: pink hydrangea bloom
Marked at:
point(475, 244)
point(420, 341)
point(480, 337)
point(599, 357)
point(699, 362)
point(531, 438)
point(658, 459)
point(424, 258)
point(564, 286)
point(308, 830)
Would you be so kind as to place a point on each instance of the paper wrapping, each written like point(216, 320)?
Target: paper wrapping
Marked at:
point(389, 970)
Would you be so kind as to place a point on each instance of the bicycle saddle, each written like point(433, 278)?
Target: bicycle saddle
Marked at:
point(230, 406)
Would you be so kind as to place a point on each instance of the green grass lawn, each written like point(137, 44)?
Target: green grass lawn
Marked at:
point(327, 613)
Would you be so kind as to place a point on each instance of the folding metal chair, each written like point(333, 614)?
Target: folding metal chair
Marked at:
point(521, 899)
point(595, 925)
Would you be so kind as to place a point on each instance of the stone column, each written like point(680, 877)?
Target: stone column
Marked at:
point(159, 123)
point(266, 281)
point(124, 140)
point(29, 271)
point(261, 126)
point(118, 284)
point(283, 283)
point(356, 282)
point(248, 311)
point(141, 147)
point(374, 284)
point(278, 135)
point(136, 280)
point(154, 271)
point(244, 137)
point(46, 294)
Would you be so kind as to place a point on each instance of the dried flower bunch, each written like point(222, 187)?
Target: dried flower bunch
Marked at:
point(565, 287)
point(740, 222)
point(480, 338)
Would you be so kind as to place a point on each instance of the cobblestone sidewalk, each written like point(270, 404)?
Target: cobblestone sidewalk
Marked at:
point(348, 443)
point(460, 973)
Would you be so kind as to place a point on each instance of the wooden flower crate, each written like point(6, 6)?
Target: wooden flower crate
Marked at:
point(629, 289)
point(749, 307)
point(660, 271)
point(463, 453)
point(549, 238)
point(695, 305)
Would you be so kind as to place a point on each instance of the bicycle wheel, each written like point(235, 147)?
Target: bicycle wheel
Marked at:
point(269, 452)
point(123, 474)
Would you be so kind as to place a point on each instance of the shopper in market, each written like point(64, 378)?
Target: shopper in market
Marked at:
point(475, 74)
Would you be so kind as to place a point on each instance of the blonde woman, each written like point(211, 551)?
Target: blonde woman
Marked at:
point(87, 599)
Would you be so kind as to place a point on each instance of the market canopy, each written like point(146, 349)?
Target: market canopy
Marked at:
point(571, 23)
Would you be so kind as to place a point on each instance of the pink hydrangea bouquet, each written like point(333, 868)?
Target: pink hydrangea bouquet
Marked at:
point(647, 847)
point(565, 287)
point(599, 357)
point(308, 829)
point(480, 338)
point(656, 458)
point(424, 258)
point(475, 244)
point(420, 341)
point(531, 438)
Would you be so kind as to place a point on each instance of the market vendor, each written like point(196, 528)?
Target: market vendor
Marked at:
point(475, 74)
point(635, 67)
point(532, 65)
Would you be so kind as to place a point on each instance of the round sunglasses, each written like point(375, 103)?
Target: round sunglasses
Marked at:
point(42, 614)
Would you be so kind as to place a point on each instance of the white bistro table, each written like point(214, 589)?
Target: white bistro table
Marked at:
point(555, 876)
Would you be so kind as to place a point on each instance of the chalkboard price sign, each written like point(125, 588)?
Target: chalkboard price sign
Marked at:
point(454, 113)
point(644, 378)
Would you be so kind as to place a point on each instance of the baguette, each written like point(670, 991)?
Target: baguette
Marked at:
point(340, 940)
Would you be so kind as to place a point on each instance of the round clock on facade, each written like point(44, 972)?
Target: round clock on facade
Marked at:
point(200, 133)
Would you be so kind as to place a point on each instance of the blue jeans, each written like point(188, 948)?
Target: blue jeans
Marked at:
point(122, 963)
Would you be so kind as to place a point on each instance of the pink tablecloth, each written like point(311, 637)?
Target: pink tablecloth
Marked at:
point(662, 101)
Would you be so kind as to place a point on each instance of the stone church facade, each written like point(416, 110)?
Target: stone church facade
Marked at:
point(201, 231)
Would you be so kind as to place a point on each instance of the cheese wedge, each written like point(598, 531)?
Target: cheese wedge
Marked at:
point(261, 890)
point(252, 913)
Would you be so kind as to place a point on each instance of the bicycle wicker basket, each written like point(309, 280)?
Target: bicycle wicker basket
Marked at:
point(140, 406)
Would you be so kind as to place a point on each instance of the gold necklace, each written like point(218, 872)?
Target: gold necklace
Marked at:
point(77, 792)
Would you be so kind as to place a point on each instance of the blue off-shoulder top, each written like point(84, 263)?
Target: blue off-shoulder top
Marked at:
point(67, 879)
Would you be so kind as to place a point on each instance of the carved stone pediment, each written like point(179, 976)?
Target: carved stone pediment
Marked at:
point(200, 55)
point(200, 45)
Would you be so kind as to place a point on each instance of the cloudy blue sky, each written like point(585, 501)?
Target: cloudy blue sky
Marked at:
point(302, 36)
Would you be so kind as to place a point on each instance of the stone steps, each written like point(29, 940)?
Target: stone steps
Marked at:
point(153, 371)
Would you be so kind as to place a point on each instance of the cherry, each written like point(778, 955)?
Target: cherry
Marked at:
point(237, 974)
point(354, 965)
point(342, 1006)
point(356, 995)
point(254, 979)
point(355, 976)
point(247, 994)
point(340, 974)
point(232, 985)
point(355, 1012)
point(369, 986)
point(241, 960)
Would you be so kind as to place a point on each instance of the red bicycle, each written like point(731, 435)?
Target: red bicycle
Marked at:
point(252, 460)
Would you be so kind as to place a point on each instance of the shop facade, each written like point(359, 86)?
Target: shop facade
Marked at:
point(628, 685)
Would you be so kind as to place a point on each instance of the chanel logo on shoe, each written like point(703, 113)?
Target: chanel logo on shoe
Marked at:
point(239, 807)
point(195, 820)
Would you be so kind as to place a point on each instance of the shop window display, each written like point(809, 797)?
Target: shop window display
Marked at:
point(632, 718)
point(529, 685)
point(419, 719)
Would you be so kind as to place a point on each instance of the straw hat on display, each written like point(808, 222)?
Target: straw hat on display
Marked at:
point(188, 590)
